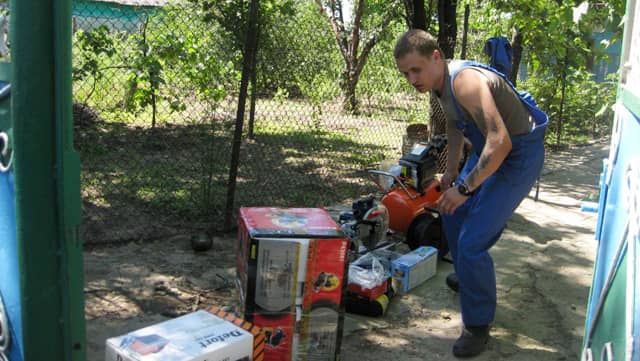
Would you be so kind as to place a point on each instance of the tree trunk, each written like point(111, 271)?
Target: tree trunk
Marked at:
point(154, 109)
point(252, 106)
point(590, 59)
point(562, 98)
point(350, 103)
point(408, 13)
point(516, 45)
point(349, 45)
point(254, 71)
point(448, 27)
point(419, 15)
point(463, 52)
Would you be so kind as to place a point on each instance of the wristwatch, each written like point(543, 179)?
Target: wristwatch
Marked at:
point(463, 188)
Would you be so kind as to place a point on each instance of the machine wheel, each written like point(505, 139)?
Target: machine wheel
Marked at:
point(426, 230)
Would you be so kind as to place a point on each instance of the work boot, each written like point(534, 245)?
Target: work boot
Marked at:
point(452, 282)
point(472, 341)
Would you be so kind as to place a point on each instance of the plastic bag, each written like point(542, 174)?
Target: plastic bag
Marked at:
point(367, 272)
point(372, 269)
point(384, 181)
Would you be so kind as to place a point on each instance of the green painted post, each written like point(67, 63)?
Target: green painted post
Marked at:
point(46, 181)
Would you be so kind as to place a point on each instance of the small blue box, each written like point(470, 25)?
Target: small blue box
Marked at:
point(414, 268)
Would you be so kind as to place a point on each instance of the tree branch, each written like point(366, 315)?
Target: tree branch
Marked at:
point(408, 13)
point(373, 39)
point(340, 35)
point(336, 8)
point(355, 31)
point(429, 15)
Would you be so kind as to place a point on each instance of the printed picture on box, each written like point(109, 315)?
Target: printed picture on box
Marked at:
point(277, 280)
point(326, 282)
point(274, 338)
point(322, 335)
point(288, 220)
point(322, 343)
point(144, 345)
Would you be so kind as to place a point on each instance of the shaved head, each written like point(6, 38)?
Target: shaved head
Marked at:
point(416, 40)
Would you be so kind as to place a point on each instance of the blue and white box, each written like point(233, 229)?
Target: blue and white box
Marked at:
point(198, 336)
point(414, 268)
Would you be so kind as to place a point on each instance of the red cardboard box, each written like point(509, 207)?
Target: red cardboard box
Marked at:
point(291, 267)
point(369, 293)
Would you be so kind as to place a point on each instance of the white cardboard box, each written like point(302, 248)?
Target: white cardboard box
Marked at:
point(198, 336)
point(414, 268)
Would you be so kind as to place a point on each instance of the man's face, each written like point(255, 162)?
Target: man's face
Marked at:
point(423, 73)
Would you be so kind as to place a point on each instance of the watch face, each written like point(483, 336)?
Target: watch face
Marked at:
point(463, 189)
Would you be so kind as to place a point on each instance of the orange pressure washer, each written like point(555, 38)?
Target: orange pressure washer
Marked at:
point(411, 190)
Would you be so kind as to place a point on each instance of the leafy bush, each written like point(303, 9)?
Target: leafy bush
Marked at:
point(586, 107)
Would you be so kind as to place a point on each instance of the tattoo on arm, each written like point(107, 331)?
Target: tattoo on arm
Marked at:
point(492, 125)
point(483, 162)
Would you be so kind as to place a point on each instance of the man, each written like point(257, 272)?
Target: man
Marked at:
point(507, 134)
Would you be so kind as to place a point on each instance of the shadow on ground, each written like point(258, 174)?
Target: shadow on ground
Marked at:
point(543, 265)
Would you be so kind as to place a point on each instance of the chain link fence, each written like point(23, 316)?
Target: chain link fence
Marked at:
point(156, 86)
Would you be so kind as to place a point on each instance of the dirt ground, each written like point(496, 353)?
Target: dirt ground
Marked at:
point(544, 264)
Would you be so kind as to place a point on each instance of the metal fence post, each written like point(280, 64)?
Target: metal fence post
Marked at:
point(247, 66)
point(254, 85)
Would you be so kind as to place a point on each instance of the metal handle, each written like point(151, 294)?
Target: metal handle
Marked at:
point(607, 352)
point(4, 331)
point(395, 178)
point(587, 354)
point(4, 140)
point(5, 90)
point(434, 211)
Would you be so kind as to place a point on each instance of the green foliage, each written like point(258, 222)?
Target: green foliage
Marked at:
point(188, 50)
point(154, 50)
point(356, 37)
point(380, 81)
point(587, 110)
point(558, 51)
point(230, 19)
point(93, 47)
point(171, 53)
point(297, 52)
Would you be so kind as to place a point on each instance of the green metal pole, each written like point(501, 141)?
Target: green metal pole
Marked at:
point(46, 181)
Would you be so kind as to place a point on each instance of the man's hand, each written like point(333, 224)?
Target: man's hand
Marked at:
point(450, 200)
point(447, 179)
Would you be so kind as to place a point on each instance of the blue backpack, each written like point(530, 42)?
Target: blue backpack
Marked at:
point(500, 52)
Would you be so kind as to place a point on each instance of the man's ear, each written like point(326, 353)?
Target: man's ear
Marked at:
point(436, 55)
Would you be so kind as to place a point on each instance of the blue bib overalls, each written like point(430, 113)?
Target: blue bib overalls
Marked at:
point(478, 223)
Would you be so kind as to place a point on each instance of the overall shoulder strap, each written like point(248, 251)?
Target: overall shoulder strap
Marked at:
point(526, 98)
point(454, 68)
